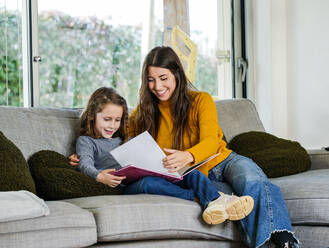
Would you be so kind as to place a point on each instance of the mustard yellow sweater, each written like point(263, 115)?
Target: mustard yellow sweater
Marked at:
point(206, 137)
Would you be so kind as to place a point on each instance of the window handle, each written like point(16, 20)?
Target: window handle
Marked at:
point(37, 59)
point(242, 66)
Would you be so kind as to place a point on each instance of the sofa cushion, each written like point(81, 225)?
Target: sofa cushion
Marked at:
point(170, 243)
point(66, 226)
point(15, 173)
point(277, 157)
point(236, 116)
point(142, 217)
point(35, 129)
point(56, 179)
point(307, 196)
point(312, 236)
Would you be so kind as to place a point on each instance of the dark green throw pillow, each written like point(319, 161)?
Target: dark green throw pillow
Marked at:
point(277, 157)
point(14, 170)
point(56, 179)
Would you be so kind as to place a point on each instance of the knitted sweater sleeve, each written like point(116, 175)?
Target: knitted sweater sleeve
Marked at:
point(85, 150)
point(210, 134)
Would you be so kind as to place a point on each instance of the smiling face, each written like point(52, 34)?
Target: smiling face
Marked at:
point(108, 120)
point(161, 82)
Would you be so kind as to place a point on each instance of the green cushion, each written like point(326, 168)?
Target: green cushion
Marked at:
point(56, 179)
point(15, 173)
point(277, 157)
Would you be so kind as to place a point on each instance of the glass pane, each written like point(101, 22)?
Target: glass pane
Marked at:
point(88, 44)
point(11, 85)
point(203, 31)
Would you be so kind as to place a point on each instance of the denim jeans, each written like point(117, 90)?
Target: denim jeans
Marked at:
point(269, 214)
point(194, 184)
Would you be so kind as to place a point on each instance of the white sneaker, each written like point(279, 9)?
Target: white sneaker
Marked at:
point(228, 207)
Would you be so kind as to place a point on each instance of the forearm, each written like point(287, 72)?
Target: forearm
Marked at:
point(86, 166)
point(204, 149)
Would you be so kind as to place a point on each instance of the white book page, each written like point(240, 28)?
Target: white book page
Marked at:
point(142, 151)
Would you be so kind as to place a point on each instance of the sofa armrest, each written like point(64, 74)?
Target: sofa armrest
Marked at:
point(319, 158)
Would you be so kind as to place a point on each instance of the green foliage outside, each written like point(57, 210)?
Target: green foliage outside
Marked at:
point(206, 75)
point(80, 55)
point(11, 85)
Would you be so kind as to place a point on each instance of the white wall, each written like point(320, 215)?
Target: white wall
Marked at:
point(290, 67)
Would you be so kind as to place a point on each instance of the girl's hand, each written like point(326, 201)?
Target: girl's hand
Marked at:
point(74, 160)
point(107, 178)
point(177, 159)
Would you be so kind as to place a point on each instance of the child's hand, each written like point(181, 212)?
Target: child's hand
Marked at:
point(74, 160)
point(107, 178)
point(177, 159)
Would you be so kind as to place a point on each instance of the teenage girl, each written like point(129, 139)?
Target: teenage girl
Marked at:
point(184, 124)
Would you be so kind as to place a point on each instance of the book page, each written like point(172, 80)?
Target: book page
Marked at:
point(142, 151)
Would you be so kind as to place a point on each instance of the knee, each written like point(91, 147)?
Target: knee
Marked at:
point(149, 184)
point(139, 187)
point(245, 169)
point(193, 174)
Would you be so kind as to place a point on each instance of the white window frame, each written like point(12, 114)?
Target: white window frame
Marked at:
point(224, 49)
point(172, 8)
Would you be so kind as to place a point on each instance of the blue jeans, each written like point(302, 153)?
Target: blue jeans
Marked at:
point(194, 184)
point(246, 178)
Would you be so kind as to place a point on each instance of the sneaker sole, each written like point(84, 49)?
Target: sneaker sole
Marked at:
point(236, 210)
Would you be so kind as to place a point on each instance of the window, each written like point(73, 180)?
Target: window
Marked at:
point(203, 31)
point(11, 83)
point(56, 53)
point(99, 43)
point(212, 34)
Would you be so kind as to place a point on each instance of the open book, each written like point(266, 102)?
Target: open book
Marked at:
point(142, 156)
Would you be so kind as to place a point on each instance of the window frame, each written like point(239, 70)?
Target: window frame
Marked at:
point(31, 57)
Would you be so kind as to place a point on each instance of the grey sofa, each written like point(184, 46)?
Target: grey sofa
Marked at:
point(148, 220)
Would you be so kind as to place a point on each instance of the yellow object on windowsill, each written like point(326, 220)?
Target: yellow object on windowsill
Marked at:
point(186, 50)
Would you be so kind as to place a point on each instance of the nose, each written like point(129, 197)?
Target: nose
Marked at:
point(111, 123)
point(157, 84)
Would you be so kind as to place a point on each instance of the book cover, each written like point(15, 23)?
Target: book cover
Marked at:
point(142, 156)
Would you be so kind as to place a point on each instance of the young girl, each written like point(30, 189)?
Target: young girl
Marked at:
point(103, 127)
point(185, 121)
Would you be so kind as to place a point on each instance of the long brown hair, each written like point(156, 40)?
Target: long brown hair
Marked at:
point(96, 103)
point(148, 113)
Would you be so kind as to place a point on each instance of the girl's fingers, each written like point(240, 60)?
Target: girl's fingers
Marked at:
point(170, 162)
point(117, 178)
point(169, 150)
point(171, 158)
point(110, 179)
point(74, 160)
point(75, 164)
point(174, 167)
point(116, 182)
